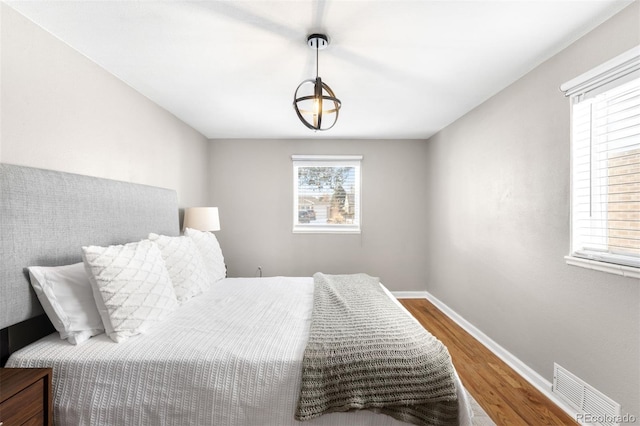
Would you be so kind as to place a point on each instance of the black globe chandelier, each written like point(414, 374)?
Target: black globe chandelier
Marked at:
point(315, 103)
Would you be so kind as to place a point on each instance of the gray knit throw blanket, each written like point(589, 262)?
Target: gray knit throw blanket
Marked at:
point(365, 352)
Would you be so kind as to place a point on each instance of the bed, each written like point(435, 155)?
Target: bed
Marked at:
point(231, 355)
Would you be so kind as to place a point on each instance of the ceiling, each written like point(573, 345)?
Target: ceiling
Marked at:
point(402, 69)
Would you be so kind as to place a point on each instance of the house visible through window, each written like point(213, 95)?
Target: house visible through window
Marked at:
point(606, 164)
point(326, 193)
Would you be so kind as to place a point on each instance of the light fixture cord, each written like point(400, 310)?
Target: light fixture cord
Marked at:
point(317, 60)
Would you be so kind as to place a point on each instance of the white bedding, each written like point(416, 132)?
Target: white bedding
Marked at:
point(230, 356)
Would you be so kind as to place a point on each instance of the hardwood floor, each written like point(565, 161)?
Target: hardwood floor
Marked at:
point(506, 397)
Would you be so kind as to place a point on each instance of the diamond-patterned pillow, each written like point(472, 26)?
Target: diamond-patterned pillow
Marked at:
point(184, 264)
point(210, 250)
point(131, 287)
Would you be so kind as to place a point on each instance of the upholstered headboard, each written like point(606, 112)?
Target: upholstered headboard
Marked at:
point(47, 216)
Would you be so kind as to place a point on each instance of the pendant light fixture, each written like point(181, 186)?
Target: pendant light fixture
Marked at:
point(315, 103)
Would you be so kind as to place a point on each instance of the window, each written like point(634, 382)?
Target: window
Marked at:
point(605, 155)
point(326, 193)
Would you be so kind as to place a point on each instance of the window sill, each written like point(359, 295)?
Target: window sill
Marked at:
point(322, 230)
point(625, 271)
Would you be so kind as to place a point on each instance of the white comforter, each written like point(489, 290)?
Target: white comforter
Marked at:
point(231, 356)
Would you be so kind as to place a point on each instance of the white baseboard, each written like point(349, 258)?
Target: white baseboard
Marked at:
point(539, 382)
point(410, 294)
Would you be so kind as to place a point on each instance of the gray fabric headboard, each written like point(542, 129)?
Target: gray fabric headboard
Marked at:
point(47, 216)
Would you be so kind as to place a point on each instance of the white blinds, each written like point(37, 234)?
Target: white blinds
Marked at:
point(606, 174)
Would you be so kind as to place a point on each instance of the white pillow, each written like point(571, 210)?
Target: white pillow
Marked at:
point(66, 296)
point(184, 264)
point(131, 287)
point(209, 248)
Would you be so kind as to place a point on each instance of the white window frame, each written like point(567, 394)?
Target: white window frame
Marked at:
point(328, 161)
point(607, 76)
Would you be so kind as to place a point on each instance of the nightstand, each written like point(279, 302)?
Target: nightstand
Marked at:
point(25, 397)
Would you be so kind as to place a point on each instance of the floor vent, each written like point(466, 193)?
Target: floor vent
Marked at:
point(593, 406)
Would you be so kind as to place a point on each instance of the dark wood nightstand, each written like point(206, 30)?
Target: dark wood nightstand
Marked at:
point(25, 397)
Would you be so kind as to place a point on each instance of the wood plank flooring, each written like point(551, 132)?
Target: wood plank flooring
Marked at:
point(506, 397)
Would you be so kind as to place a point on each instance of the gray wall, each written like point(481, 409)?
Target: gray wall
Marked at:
point(498, 228)
point(61, 111)
point(252, 184)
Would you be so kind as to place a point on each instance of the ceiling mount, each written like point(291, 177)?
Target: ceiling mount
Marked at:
point(318, 41)
point(314, 100)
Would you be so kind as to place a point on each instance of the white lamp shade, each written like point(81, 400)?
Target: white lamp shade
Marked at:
point(202, 218)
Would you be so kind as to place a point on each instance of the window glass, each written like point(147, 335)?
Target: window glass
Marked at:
point(606, 175)
point(326, 194)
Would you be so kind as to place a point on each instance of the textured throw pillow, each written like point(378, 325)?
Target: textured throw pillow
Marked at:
point(66, 296)
point(209, 248)
point(131, 287)
point(184, 264)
